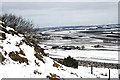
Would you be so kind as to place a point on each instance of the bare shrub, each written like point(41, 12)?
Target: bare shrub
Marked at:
point(18, 23)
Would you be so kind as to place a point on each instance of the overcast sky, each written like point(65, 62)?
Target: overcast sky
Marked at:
point(45, 14)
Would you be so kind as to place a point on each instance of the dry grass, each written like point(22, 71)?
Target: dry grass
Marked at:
point(1, 47)
point(36, 72)
point(53, 76)
point(2, 58)
point(56, 65)
point(21, 52)
point(15, 57)
point(39, 57)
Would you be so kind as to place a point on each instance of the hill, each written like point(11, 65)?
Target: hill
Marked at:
point(20, 58)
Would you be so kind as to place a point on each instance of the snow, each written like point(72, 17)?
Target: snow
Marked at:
point(1, 32)
point(8, 28)
point(20, 71)
point(99, 71)
point(29, 51)
point(14, 69)
point(1, 22)
point(97, 40)
point(26, 71)
point(92, 55)
point(10, 42)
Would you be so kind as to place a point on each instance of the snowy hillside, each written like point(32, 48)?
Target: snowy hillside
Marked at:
point(20, 58)
point(23, 61)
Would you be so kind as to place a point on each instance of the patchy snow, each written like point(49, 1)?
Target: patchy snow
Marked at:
point(100, 72)
point(1, 22)
point(8, 28)
point(41, 69)
point(10, 42)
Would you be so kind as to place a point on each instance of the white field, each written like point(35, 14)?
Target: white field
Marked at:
point(92, 55)
point(110, 55)
point(107, 54)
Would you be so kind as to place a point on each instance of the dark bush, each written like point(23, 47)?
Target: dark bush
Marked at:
point(98, 46)
point(55, 47)
point(70, 62)
point(78, 48)
point(18, 23)
point(82, 47)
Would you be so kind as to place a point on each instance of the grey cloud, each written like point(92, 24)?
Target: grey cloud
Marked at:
point(67, 5)
point(64, 13)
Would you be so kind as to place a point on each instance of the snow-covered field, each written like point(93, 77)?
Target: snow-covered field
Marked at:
point(92, 55)
point(106, 54)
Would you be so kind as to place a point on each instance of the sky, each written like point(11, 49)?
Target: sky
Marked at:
point(55, 14)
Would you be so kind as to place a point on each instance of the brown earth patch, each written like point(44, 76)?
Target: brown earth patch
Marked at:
point(2, 58)
point(53, 76)
point(15, 57)
point(56, 65)
point(1, 47)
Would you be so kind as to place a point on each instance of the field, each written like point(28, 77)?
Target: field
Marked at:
point(100, 47)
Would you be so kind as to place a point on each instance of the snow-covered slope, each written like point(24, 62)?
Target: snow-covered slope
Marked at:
point(19, 58)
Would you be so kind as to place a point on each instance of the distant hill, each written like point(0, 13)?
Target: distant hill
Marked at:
point(109, 26)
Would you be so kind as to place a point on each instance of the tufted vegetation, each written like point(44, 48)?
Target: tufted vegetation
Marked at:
point(16, 22)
